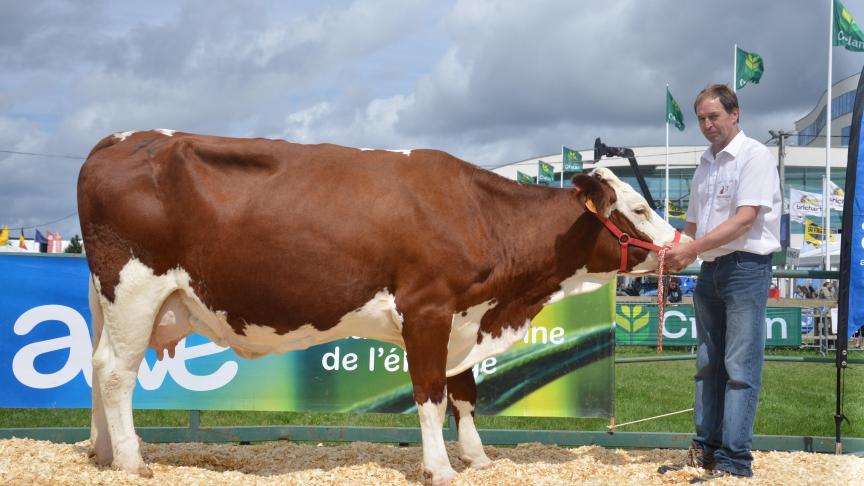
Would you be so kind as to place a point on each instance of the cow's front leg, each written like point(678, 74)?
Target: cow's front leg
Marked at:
point(462, 391)
point(426, 346)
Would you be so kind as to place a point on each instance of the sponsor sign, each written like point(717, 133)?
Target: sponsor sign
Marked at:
point(637, 325)
point(563, 367)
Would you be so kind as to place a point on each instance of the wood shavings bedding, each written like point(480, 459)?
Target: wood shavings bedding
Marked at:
point(30, 462)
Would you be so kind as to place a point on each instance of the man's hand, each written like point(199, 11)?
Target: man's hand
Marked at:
point(679, 256)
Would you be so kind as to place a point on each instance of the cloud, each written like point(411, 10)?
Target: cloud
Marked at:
point(491, 81)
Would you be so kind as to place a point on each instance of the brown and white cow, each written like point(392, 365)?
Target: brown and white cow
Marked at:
point(417, 248)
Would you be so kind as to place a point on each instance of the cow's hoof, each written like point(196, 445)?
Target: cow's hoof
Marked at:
point(141, 469)
point(484, 463)
point(144, 472)
point(481, 462)
point(443, 477)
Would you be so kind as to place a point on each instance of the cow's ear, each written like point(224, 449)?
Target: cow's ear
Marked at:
point(591, 194)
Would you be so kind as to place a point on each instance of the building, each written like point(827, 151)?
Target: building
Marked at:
point(811, 127)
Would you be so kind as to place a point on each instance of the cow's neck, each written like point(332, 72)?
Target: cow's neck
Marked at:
point(548, 244)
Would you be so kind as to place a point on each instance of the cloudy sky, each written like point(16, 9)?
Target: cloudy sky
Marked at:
point(490, 81)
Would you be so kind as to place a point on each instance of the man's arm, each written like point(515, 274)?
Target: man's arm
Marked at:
point(690, 230)
point(685, 253)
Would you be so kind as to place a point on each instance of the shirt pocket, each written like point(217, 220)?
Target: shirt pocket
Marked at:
point(724, 195)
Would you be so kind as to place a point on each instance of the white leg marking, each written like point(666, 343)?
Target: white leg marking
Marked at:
point(128, 324)
point(434, 453)
point(469, 439)
point(100, 440)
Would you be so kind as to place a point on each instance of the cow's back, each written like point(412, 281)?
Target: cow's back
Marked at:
point(271, 232)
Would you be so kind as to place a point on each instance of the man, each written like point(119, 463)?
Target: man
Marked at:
point(826, 291)
point(734, 218)
point(673, 293)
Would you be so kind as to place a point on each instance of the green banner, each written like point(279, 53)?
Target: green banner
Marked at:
point(572, 159)
point(636, 324)
point(845, 31)
point(545, 173)
point(748, 67)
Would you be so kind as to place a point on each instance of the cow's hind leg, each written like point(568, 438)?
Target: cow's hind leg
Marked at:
point(128, 323)
point(100, 439)
point(426, 346)
point(462, 391)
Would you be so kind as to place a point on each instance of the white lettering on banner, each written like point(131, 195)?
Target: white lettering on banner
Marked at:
point(176, 367)
point(80, 349)
point(682, 332)
point(683, 318)
point(784, 331)
point(77, 342)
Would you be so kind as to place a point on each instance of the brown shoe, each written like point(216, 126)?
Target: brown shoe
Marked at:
point(696, 457)
point(711, 475)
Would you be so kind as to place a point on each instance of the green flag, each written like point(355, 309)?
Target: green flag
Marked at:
point(524, 178)
point(571, 158)
point(845, 31)
point(673, 112)
point(748, 67)
point(545, 173)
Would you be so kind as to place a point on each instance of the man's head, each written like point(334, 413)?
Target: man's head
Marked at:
point(717, 111)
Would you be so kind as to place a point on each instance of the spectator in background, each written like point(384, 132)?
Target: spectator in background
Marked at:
point(799, 292)
point(635, 287)
point(673, 293)
point(774, 291)
point(826, 291)
point(621, 287)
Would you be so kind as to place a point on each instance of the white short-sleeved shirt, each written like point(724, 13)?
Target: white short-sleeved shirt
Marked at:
point(743, 174)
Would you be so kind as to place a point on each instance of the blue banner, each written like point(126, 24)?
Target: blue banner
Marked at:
point(851, 289)
point(46, 349)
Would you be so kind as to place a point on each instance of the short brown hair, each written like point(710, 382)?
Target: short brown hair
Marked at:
point(727, 97)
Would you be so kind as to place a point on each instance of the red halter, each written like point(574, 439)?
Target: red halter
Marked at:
point(624, 239)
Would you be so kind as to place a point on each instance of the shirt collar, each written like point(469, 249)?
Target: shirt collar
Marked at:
point(732, 148)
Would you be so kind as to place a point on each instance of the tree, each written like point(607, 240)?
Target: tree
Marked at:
point(74, 245)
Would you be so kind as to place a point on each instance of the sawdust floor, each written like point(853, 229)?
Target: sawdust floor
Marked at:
point(29, 462)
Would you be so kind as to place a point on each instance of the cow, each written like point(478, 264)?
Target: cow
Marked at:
point(266, 246)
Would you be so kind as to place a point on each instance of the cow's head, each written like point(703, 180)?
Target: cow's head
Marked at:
point(611, 199)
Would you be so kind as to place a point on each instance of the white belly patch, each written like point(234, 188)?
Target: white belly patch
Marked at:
point(175, 311)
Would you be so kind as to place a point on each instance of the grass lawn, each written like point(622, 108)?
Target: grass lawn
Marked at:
point(797, 399)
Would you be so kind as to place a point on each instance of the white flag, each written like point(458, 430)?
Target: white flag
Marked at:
point(836, 195)
point(803, 203)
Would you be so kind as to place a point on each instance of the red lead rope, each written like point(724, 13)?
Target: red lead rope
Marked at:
point(661, 297)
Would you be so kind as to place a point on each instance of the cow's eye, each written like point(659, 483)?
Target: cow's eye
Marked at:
point(641, 211)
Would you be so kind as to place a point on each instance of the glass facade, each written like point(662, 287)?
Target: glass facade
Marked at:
point(840, 106)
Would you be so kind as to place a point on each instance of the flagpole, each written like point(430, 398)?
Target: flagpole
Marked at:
point(562, 167)
point(666, 210)
point(826, 227)
point(735, 69)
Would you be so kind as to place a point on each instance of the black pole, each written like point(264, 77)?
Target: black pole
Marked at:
point(640, 178)
point(601, 149)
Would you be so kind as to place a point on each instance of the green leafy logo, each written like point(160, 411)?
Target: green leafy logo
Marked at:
point(753, 62)
point(632, 318)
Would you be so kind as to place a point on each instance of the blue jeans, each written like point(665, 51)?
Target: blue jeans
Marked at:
point(730, 300)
